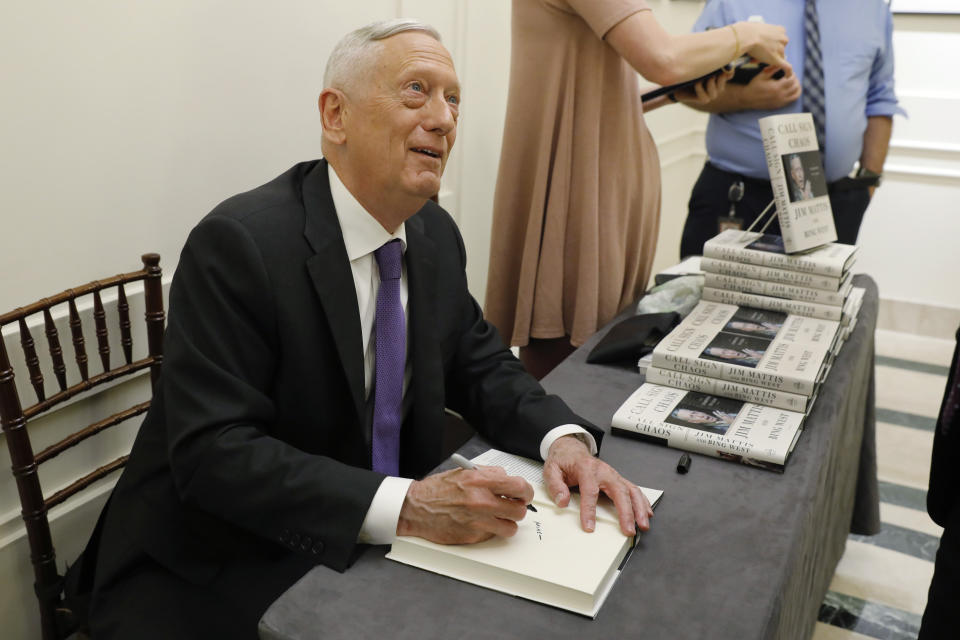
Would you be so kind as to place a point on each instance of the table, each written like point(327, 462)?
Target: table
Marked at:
point(734, 552)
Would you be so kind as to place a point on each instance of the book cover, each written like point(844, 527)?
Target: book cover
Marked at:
point(851, 309)
point(550, 560)
point(771, 274)
point(798, 181)
point(766, 250)
point(780, 289)
point(751, 346)
point(701, 423)
point(811, 309)
point(728, 389)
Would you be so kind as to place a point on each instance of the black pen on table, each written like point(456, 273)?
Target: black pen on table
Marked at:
point(464, 463)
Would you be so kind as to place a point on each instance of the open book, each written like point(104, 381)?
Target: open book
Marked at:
point(550, 559)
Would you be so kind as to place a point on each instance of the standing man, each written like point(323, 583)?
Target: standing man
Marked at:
point(842, 75)
point(319, 325)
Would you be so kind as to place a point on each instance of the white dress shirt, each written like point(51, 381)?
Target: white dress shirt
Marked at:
point(363, 235)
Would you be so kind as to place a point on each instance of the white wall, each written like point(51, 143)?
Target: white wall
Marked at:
point(125, 122)
point(908, 235)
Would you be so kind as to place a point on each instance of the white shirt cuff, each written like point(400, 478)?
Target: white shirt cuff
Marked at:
point(380, 525)
point(565, 430)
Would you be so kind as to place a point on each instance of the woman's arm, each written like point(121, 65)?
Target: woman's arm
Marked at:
point(700, 96)
point(668, 59)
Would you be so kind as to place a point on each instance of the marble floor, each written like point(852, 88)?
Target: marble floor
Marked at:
point(880, 586)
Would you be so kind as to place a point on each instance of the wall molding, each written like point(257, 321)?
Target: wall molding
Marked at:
point(918, 318)
point(907, 170)
point(911, 158)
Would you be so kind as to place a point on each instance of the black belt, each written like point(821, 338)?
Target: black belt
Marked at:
point(843, 184)
point(848, 184)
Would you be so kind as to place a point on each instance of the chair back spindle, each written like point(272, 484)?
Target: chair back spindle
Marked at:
point(123, 311)
point(76, 330)
point(33, 362)
point(53, 341)
point(100, 321)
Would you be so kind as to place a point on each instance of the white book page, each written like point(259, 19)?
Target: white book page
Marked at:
point(532, 472)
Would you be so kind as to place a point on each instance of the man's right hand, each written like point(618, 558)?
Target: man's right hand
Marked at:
point(765, 92)
point(464, 506)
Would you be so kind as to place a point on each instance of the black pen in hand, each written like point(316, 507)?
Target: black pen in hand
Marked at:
point(463, 463)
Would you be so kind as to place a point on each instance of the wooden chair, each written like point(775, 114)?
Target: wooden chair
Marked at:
point(56, 617)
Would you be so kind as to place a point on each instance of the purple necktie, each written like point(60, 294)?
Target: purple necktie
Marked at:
point(391, 334)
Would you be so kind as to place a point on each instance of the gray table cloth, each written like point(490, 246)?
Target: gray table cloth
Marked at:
point(734, 552)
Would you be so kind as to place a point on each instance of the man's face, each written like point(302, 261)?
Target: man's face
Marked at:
point(796, 170)
point(694, 416)
point(401, 121)
point(722, 352)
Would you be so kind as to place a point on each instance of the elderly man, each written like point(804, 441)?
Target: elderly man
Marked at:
point(319, 325)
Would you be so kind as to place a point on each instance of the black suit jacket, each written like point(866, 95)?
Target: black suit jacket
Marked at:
point(945, 457)
point(255, 451)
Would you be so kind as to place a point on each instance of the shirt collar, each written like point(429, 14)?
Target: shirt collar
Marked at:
point(362, 234)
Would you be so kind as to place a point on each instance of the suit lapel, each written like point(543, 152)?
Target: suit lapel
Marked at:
point(422, 440)
point(332, 278)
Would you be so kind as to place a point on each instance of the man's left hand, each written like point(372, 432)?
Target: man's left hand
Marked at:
point(569, 464)
point(706, 91)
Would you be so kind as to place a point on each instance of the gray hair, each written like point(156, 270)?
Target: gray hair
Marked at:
point(353, 51)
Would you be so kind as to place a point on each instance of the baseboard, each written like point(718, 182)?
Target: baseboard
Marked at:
point(918, 318)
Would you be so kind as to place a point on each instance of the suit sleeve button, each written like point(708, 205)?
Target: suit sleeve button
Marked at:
point(317, 548)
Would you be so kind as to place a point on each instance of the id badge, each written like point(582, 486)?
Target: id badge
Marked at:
point(729, 222)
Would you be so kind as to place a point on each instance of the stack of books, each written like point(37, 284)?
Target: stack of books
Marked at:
point(752, 269)
point(736, 382)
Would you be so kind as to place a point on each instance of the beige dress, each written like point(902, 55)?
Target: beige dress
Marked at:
point(577, 205)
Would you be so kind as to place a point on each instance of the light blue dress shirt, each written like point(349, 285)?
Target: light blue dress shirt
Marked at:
point(856, 40)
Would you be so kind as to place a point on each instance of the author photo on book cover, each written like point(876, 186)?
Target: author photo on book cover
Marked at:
point(736, 349)
point(705, 412)
point(769, 243)
point(757, 323)
point(804, 175)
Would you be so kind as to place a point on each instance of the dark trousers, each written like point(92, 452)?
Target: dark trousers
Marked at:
point(941, 619)
point(709, 200)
